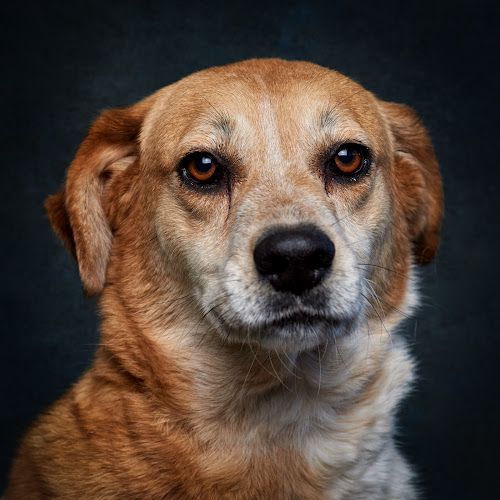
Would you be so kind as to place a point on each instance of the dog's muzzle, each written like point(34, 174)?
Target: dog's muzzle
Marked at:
point(294, 259)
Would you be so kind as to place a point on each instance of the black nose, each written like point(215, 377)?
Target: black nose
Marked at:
point(294, 259)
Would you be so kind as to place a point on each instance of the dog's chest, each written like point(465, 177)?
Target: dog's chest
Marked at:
point(339, 440)
point(307, 450)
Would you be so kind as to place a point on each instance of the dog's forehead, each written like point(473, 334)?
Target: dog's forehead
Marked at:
point(260, 97)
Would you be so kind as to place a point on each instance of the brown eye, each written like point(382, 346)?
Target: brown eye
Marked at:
point(201, 168)
point(349, 163)
point(348, 160)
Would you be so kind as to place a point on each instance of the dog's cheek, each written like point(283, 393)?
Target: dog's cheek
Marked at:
point(377, 234)
point(391, 268)
point(364, 217)
point(193, 234)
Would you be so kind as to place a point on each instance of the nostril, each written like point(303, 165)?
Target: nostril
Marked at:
point(321, 256)
point(294, 259)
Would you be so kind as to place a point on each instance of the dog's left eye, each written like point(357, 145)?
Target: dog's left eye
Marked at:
point(202, 172)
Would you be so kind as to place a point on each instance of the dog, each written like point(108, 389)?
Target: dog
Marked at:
point(254, 232)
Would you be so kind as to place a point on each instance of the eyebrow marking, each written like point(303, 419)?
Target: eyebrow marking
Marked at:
point(328, 118)
point(223, 122)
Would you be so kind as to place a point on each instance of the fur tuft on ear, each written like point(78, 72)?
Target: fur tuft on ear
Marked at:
point(77, 212)
point(418, 189)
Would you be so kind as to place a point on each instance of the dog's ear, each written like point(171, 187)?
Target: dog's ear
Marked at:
point(418, 188)
point(77, 212)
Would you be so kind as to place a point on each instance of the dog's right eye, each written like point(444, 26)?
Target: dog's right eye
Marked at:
point(202, 172)
point(349, 163)
point(201, 167)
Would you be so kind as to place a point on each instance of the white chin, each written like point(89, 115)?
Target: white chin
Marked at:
point(291, 336)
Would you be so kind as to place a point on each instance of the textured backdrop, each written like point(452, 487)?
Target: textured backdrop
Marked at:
point(62, 64)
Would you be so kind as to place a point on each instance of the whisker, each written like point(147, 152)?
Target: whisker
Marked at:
point(285, 365)
point(338, 350)
point(345, 99)
point(346, 217)
point(276, 373)
point(320, 374)
point(375, 296)
point(358, 241)
point(246, 377)
point(387, 269)
point(261, 364)
point(294, 366)
point(144, 242)
point(380, 318)
point(387, 303)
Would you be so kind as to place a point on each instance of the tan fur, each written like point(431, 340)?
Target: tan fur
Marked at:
point(183, 400)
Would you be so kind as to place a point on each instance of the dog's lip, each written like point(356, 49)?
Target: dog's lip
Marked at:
point(301, 319)
point(292, 319)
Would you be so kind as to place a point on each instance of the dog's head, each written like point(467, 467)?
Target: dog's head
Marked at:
point(282, 201)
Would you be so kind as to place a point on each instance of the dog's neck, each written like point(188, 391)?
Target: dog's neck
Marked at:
point(191, 367)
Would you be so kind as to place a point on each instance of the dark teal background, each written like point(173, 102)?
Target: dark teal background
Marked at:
point(63, 63)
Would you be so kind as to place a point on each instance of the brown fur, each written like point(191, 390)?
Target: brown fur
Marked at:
point(172, 409)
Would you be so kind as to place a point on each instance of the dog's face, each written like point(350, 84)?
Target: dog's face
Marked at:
point(284, 200)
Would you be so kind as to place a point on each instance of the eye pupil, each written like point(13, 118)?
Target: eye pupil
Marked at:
point(346, 155)
point(203, 164)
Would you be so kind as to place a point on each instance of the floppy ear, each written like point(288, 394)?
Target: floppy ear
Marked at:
point(418, 188)
point(77, 212)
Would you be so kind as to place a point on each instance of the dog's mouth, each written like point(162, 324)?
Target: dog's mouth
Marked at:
point(294, 332)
